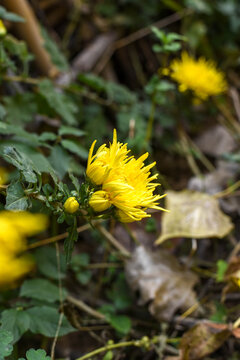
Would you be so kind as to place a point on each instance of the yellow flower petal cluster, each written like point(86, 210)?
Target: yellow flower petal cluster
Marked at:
point(14, 228)
point(126, 183)
point(200, 76)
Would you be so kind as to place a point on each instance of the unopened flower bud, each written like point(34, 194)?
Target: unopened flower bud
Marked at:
point(71, 205)
point(100, 201)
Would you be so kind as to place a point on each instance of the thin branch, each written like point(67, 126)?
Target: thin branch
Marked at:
point(113, 240)
point(53, 239)
point(86, 308)
point(138, 35)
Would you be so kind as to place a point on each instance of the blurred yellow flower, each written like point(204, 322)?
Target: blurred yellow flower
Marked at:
point(14, 227)
point(126, 183)
point(3, 30)
point(71, 205)
point(13, 268)
point(3, 175)
point(200, 76)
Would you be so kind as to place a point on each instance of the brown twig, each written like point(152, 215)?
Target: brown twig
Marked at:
point(59, 237)
point(137, 36)
point(30, 32)
point(87, 59)
point(113, 240)
point(236, 102)
point(86, 308)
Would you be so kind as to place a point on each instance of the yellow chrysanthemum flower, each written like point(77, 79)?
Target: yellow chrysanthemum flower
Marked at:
point(105, 160)
point(71, 205)
point(200, 76)
point(126, 183)
point(14, 227)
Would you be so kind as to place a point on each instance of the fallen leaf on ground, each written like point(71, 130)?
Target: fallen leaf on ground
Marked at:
point(193, 215)
point(162, 280)
point(232, 276)
point(203, 339)
point(216, 141)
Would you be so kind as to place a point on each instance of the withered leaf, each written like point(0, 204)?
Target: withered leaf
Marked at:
point(232, 276)
point(193, 215)
point(202, 340)
point(162, 280)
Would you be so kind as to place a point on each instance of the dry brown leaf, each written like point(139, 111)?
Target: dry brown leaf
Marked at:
point(232, 276)
point(234, 331)
point(193, 215)
point(216, 141)
point(162, 280)
point(202, 340)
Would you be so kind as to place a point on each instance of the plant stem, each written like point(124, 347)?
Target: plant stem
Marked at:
point(109, 347)
point(82, 306)
point(56, 238)
point(113, 241)
point(150, 124)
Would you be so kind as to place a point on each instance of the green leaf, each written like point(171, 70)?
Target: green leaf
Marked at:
point(59, 102)
point(120, 323)
point(6, 347)
point(75, 147)
point(120, 94)
point(56, 55)
point(75, 182)
point(60, 160)
point(47, 136)
point(175, 46)
point(47, 263)
point(69, 130)
point(200, 6)
point(3, 112)
point(222, 266)
point(37, 355)
point(16, 321)
point(41, 289)
point(20, 133)
point(94, 82)
point(84, 276)
point(158, 48)
point(174, 36)
point(220, 314)
point(18, 48)
point(26, 102)
point(16, 199)
point(119, 294)
point(160, 34)
point(6, 15)
point(108, 355)
point(44, 320)
point(22, 162)
point(80, 260)
point(40, 164)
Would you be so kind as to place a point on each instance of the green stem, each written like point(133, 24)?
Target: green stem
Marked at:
point(109, 347)
point(150, 124)
point(145, 342)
